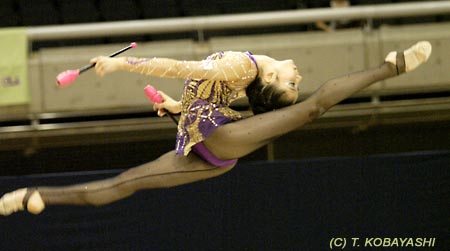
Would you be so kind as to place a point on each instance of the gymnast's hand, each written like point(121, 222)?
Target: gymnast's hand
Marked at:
point(169, 104)
point(104, 65)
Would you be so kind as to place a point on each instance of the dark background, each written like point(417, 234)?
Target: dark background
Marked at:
point(51, 12)
point(280, 205)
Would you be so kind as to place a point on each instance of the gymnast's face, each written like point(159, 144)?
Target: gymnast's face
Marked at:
point(286, 79)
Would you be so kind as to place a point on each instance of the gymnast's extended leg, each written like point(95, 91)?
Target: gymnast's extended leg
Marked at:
point(237, 139)
point(167, 171)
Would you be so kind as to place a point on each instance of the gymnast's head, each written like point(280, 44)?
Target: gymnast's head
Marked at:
point(276, 85)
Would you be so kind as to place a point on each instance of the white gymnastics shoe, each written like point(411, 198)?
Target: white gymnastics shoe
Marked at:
point(411, 58)
point(14, 201)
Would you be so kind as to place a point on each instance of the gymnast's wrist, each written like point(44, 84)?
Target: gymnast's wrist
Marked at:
point(124, 64)
point(178, 107)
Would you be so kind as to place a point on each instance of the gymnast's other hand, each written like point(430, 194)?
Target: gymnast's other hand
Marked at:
point(104, 65)
point(169, 104)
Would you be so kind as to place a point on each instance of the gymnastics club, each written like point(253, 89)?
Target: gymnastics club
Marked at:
point(68, 77)
point(155, 97)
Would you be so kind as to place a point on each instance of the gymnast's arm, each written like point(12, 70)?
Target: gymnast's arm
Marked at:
point(232, 67)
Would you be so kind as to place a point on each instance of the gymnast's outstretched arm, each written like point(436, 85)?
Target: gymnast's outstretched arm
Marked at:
point(232, 67)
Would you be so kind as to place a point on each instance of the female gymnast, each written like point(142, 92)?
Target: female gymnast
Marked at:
point(211, 136)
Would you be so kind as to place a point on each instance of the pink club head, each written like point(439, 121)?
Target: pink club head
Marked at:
point(67, 77)
point(153, 94)
point(133, 45)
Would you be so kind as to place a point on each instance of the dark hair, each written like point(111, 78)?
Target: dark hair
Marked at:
point(264, 97)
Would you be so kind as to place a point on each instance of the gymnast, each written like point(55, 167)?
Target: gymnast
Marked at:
point(211, 136)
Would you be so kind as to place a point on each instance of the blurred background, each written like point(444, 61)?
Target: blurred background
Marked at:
point(376, 165)
point(107, 122)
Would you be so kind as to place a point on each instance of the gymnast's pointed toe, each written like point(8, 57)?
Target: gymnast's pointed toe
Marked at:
point(411, 58)
point(12, 202)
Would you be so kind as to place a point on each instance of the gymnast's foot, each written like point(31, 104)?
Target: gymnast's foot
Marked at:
point(412, 57)
point(19, 200)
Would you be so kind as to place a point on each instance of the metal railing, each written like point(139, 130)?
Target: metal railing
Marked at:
point(200, 24)
point(235, 21)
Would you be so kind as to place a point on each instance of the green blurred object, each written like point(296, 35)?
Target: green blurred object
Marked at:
point(13, 67)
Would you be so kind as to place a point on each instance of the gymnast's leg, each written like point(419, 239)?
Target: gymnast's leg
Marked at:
point(167, 171)
point(237, 139)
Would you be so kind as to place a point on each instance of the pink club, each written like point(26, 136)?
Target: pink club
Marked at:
point(66, 78)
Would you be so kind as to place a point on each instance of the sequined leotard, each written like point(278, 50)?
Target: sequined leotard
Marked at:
point(205, 106)
point(212, 84)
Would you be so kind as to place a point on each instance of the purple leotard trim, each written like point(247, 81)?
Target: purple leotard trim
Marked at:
point(250, 55)
point(203, 152)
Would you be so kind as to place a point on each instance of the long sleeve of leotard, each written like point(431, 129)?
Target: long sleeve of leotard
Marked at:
point(234, 68)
